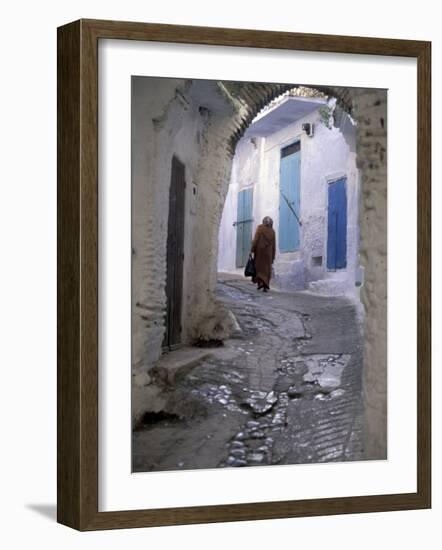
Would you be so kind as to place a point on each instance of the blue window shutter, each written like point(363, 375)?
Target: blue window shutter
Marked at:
point(337, 225)
point(289, 202)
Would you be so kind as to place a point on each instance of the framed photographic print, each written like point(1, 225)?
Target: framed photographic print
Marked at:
point(243, 274)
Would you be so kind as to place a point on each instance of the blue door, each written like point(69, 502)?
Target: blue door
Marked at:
point(337, 225)
point(289, 199)
point(244, 226)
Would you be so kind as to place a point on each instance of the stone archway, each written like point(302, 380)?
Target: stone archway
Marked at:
point(368, 109)
point(161, 130)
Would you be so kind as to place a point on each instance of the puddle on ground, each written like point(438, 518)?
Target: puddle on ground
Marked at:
point(316, 376)
point(325, 370)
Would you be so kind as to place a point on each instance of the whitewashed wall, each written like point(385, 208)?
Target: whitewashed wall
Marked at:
point(246, 172)
point(188, 119)
point(161, 127)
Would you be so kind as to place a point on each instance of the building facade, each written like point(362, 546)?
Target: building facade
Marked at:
point(293, 166)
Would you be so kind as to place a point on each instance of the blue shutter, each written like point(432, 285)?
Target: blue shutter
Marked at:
point(289, 202)
point(337, 225)
point(244, 226)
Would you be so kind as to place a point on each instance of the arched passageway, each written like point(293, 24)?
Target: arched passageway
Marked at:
point(201, 124)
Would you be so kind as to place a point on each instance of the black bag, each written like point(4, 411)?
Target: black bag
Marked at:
point(250, 270)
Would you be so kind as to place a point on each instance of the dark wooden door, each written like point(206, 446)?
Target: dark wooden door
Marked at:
point(175, 255)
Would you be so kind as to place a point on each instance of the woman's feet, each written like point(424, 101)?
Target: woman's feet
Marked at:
point(263, 287)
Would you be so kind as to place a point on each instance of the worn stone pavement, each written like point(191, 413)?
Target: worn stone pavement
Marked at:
point(285, 389)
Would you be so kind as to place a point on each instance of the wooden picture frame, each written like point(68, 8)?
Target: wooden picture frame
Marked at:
point(78, 274)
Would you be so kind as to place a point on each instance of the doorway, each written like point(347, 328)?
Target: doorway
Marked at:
point(289, 203)
point(337, 225)
point(175, 256)
point(244, 226)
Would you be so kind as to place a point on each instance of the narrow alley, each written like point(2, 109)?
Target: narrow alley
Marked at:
point(284, 389)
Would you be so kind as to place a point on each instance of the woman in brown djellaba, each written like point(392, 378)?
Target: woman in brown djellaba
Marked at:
point(263, 250)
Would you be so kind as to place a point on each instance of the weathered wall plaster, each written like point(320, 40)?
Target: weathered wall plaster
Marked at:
point(370, 108)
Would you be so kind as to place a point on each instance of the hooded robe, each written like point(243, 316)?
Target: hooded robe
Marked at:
point(263, 247)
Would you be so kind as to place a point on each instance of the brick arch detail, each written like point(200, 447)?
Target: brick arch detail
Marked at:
point(255, 96)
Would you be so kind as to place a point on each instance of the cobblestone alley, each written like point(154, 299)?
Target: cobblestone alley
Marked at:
point(285, 389)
